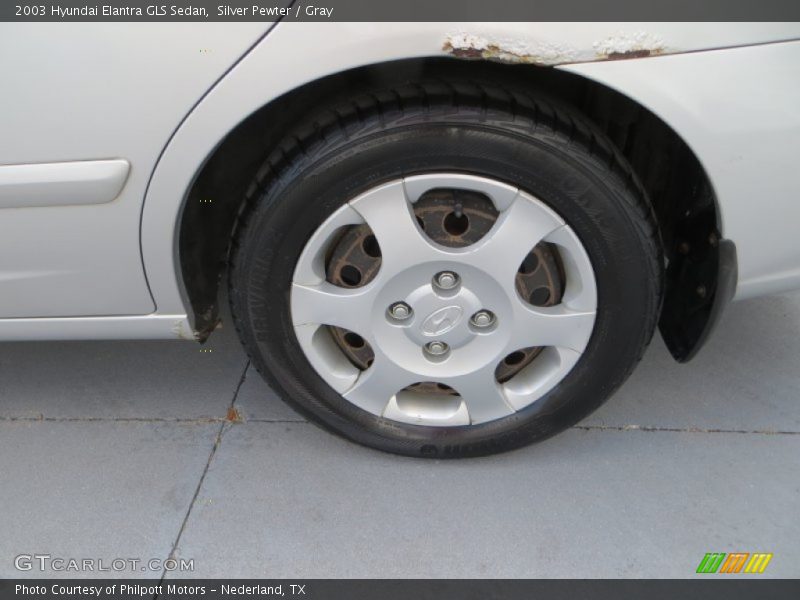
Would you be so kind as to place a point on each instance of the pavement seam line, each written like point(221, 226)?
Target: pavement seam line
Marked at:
point(223, 420)
point(648, 428)
point(197, 421)
point(217, 443)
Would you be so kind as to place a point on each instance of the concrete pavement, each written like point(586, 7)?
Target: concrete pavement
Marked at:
point(155, 449)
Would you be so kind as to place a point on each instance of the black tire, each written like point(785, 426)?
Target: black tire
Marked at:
point(543, 147)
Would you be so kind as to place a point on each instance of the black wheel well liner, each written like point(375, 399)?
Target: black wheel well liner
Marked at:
point(675, 181)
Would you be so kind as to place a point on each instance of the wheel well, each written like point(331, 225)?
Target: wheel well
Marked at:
point(674, 179)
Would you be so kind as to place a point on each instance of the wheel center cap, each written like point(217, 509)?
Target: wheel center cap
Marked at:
point(440, 315)
point(442, 320)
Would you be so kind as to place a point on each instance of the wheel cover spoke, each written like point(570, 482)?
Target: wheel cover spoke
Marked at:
point(484, 397)
point(518, 229)
point(389, 214)
point(327, 304)
point(551, 326)
point(376, 386)
point(540, 376)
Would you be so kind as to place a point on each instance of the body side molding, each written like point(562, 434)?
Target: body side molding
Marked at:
point(62, 183)
point(135, 327)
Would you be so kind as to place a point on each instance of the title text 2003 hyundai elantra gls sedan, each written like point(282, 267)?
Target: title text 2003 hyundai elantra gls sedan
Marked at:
point(440, 239)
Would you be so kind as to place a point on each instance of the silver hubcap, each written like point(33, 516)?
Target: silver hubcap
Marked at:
point(443, 314)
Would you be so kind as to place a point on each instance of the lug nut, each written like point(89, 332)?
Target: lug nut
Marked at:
point(483, 318)
point(446, 280)
point(436, 348)
point(400, 311)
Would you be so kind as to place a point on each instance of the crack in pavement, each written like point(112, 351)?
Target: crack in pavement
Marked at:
point(217, 443)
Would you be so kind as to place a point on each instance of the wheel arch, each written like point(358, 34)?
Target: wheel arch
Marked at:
point(678, 186)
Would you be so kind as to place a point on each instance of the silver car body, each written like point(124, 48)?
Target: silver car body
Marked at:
point(104, 128)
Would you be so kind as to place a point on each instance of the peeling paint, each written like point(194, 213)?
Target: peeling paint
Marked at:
point(471, 46)
point(619, 46)
point(207, 323)
point(622, 45)
point(630, 54)
point(179, 330)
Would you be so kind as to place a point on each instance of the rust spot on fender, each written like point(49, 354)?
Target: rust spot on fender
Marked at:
point(630, 54)
point(493, 53)
point(626, 45)
point(622, 45)
point(463, 52)
point(475, 47)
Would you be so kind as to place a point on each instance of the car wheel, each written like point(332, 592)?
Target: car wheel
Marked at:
point(446, 270)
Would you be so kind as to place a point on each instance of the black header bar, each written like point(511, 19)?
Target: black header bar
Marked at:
point(400, 10)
